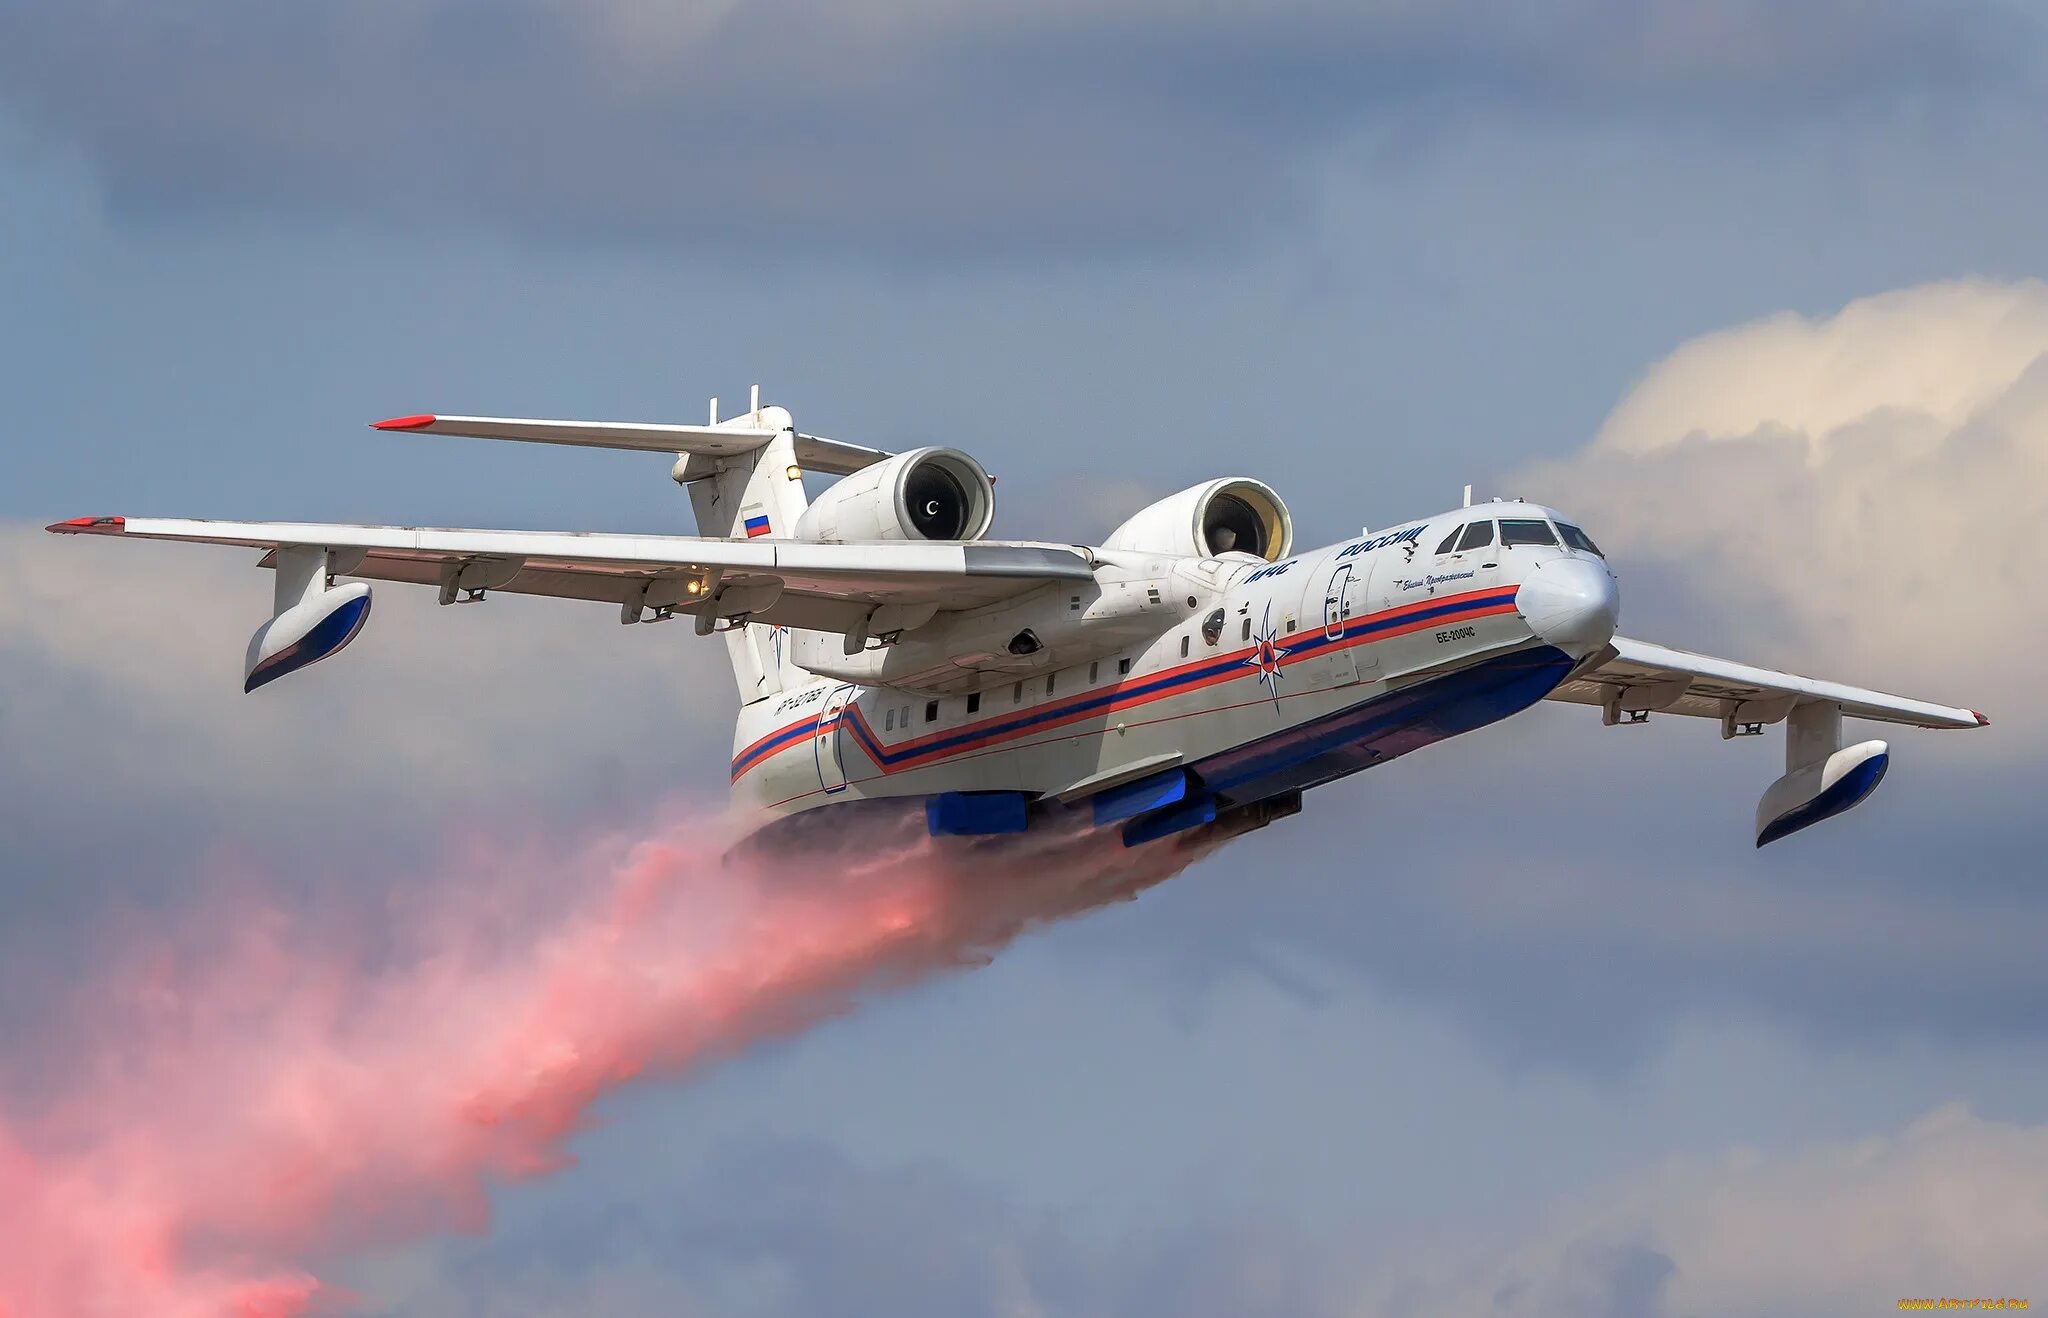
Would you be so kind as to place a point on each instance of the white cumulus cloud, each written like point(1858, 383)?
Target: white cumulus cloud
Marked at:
point(1859, 490)
point(121, 675)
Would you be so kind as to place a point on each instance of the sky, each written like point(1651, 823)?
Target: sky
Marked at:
point(1521, 1026)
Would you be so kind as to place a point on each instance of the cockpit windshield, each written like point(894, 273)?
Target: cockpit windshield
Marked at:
point(1477, 536)
point(1578, 539)
point(1525, 531)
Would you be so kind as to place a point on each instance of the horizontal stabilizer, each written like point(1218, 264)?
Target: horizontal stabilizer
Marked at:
point(724, 440)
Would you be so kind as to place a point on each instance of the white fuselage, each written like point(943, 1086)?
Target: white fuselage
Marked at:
point(1265, 678)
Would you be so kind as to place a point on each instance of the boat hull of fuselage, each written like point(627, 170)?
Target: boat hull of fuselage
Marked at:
point(1247, 786)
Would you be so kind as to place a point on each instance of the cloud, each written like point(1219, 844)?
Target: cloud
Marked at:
point(1613, 893)
point(1858, 491)
point(131, 763)
point(772, 1226)
point(908, 127)
point(118, 661)
point(1950, 1205)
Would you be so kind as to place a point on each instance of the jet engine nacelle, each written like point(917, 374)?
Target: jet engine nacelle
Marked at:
point(1235, 514)
point(312, 620)
point(925, 494)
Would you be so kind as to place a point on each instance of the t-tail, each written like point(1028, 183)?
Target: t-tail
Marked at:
point(754, 494)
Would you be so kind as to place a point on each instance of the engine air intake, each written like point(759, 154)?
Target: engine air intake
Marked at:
point(936, 503)
point(1234, 515)
point(925, 494)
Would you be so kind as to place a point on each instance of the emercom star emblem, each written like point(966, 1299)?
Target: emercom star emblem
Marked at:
point(1266, 656)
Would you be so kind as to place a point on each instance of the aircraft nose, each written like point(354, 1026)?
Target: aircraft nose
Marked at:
point(1570, 603)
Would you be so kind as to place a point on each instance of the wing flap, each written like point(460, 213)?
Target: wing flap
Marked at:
point(1658, 678)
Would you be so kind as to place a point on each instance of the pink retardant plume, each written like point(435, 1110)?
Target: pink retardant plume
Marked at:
point(280, 1094)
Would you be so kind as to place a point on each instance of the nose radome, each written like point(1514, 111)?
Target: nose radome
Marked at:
point(1571, 604)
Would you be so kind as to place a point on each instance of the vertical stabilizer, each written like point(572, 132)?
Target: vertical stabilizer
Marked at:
point(751, 496)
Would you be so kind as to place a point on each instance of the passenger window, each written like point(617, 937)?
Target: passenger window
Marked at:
point(1525, 531)
point(1048, 682)
point(1578, 539)
point(1183, 647)
point(1449, 541)
point(1245, 632)
point(974, 703)
point(1477, 536)
point(931, 711)
point(1017, 694)
point(1093, 668)
point(1123, 667)
point(889, 720)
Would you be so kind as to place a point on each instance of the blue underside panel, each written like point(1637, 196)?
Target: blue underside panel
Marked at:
point(972, 814)
point(1154, 792)
point(1379, 729)
point(1848, 792)
point(327, 636)
point(1173, 819)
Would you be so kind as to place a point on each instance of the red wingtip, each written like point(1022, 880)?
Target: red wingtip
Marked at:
point(75, 525)
point(419, 422)
point(1982, 722)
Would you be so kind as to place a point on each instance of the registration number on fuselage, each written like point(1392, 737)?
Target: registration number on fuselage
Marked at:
point(1450, 634)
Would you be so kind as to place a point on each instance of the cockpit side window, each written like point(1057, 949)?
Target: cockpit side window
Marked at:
point(1525, 531)
point(1449, 540)
point(1578, 539)
point(1477, 536)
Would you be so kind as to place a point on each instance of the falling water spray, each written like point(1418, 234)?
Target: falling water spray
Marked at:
point(274, 1095)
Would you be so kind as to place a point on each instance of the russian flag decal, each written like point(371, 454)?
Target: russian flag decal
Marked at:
point(755, 521)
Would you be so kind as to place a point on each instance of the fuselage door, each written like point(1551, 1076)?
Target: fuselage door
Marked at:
point(1332, 665)
point(1337, 601)
point(825, 739)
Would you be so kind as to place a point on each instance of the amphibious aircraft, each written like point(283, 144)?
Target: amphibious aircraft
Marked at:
point(1190, 673)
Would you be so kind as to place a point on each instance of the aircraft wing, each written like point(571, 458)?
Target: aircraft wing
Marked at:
point(816, 586)
point(1636, 677)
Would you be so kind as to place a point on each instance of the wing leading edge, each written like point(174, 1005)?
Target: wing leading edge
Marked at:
point(1637, 677)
